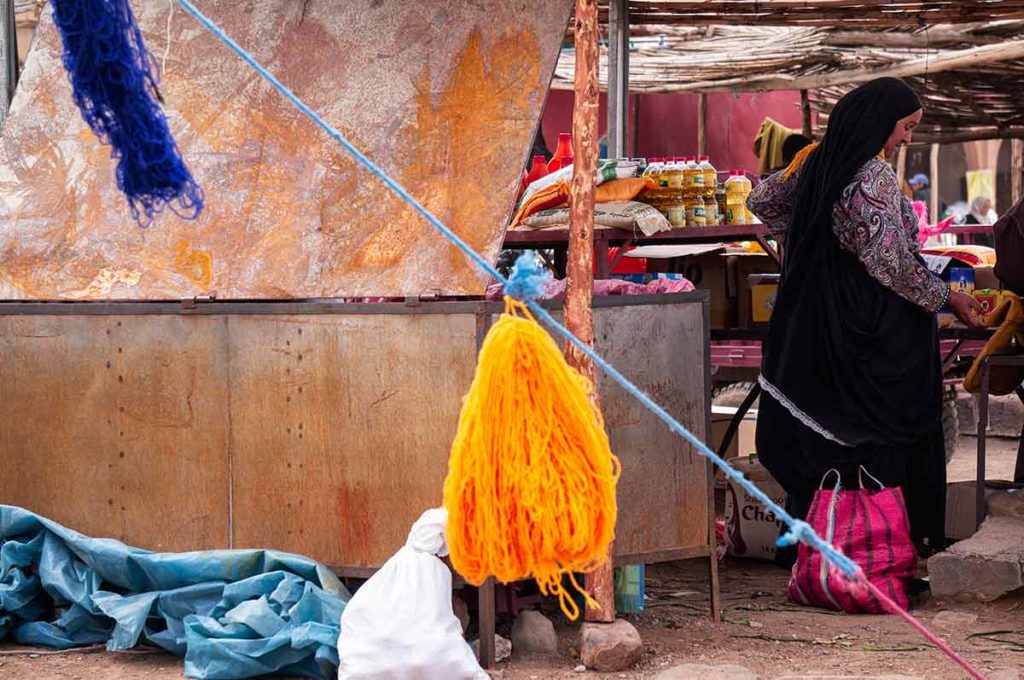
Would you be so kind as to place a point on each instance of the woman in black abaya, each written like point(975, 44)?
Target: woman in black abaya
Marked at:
point(851, 372)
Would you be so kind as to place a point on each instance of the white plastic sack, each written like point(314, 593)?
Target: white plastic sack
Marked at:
point(400, 625)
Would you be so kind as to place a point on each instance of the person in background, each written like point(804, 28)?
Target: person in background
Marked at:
point(792, 146)
point(919, 185)
point(852, 374)
point(1008, 234)
point(981, 212)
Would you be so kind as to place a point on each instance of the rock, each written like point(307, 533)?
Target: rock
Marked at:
point(1006, 504)
point(502, 648)
point(461, 610)
point(534, 634)
point(610, 647)
point(830, 676)
point(984, 567)
point(580, 669)
point(1005, 415)
point(706, 672)
point(954, 620)
point(1004, 674)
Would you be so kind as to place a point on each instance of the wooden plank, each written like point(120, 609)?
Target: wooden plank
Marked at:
point(805, 114)
point(1016, 170)
point(342, 427)
point(118, 427)
point(702, 123)
point(933, 166)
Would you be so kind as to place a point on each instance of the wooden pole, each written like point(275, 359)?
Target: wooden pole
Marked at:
point(805, 111)
point(1016, 152)
point(579, 315)
point(933, 179)
point(702, 124)
point(901, 164)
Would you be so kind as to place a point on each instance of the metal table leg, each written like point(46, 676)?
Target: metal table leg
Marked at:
point(979, 485)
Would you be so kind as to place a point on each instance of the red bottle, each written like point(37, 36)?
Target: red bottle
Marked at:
point(563, 153)
point(537, 170)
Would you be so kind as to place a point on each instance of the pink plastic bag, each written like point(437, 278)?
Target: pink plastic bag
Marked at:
point(871, 528)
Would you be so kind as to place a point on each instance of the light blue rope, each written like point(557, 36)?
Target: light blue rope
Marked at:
point(798, 529)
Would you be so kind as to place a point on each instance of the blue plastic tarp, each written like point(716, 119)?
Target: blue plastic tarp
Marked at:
point(230, 613)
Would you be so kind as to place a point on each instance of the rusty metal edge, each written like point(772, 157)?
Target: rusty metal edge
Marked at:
point(294, 307)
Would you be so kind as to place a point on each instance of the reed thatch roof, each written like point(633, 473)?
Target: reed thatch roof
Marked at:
point(967, 73)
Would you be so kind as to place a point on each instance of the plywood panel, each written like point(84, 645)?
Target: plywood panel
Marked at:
point(444, 95)
point(342, 427)
point(663, 491)
point(117, 425)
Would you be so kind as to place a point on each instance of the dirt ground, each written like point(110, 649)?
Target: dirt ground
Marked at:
point(759, 630)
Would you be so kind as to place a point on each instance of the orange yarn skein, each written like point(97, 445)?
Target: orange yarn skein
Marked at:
point(531, 477)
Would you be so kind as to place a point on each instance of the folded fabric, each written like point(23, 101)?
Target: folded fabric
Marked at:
point(617, 214)
point(230, 613)
point(768, 145)
point(555, 288)
point(1008, 339)
point(976, 256)
point(551, 190)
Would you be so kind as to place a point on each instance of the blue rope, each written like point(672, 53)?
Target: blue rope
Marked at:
point(523, 279)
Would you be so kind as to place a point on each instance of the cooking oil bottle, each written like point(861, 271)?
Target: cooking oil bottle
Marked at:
point(737, 188)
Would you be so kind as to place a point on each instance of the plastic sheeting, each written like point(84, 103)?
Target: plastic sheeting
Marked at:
point(230, 613)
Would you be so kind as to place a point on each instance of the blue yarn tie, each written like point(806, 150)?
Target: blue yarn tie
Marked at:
point(801, 530)
point(527, 280)
point(114, 87)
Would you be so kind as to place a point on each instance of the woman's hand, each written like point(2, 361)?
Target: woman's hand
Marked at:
point(967, 309)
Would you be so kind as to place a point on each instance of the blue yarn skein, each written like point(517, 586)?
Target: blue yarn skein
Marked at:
point(112, 75)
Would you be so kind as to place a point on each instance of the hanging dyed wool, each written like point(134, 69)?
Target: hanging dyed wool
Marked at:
point(115, 88)
point(531, 478)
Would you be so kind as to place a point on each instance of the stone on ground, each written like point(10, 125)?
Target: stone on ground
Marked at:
point(534, 634)
point(954, 621)
point(610, 647)
point(1005, 414)
point(502, 648)
point(702, 671)
point(1006, 504)
point(984, 567)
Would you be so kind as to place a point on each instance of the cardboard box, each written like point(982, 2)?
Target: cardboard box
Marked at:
point(752, 529)
point(705, 267)
point(985, 277)
point(763, 290)
point(741, 267)
point(742, 444)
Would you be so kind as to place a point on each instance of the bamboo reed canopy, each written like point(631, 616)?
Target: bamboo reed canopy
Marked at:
point(869, 14)
point(966, 73)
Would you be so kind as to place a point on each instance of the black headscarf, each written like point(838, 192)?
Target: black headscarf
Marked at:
point(849, 354)
point(858, 128)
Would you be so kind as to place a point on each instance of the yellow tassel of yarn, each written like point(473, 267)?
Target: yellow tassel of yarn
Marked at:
point(531, 478)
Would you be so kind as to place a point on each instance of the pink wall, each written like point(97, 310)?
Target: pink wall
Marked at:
point(668, 123)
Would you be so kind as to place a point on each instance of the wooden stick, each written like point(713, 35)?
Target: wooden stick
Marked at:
point(901, 165)
point(1016, 168)
point(702, 124)
point(933, 171)
point(579, 314)
point(805, 110)
point(970, 135)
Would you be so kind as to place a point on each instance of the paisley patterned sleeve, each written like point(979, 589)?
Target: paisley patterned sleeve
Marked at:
point(875, 221)
point(770, 201)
